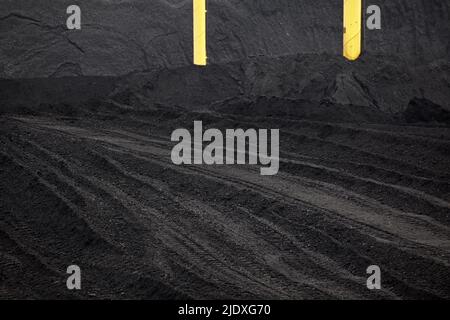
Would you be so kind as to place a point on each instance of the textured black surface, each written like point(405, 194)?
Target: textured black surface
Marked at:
point(118, 37)
point(86, 176)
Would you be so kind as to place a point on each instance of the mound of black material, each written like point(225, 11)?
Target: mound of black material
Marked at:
point(423, 110)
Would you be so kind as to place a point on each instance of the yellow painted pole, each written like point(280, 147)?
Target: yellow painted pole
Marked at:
point(352, 29)
point(199, 28)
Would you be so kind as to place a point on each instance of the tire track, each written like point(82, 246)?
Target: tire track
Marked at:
point(192, 221)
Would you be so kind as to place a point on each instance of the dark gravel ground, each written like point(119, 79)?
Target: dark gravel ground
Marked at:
point(101, 192)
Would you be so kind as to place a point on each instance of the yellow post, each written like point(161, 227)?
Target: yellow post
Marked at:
point(199, 28)
point(352, 28)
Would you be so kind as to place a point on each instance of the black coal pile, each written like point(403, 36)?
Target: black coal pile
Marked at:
point(118, 37)
point(87, 178)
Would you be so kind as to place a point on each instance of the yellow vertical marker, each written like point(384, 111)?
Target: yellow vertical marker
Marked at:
point(199, 28)
point(352, 28)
